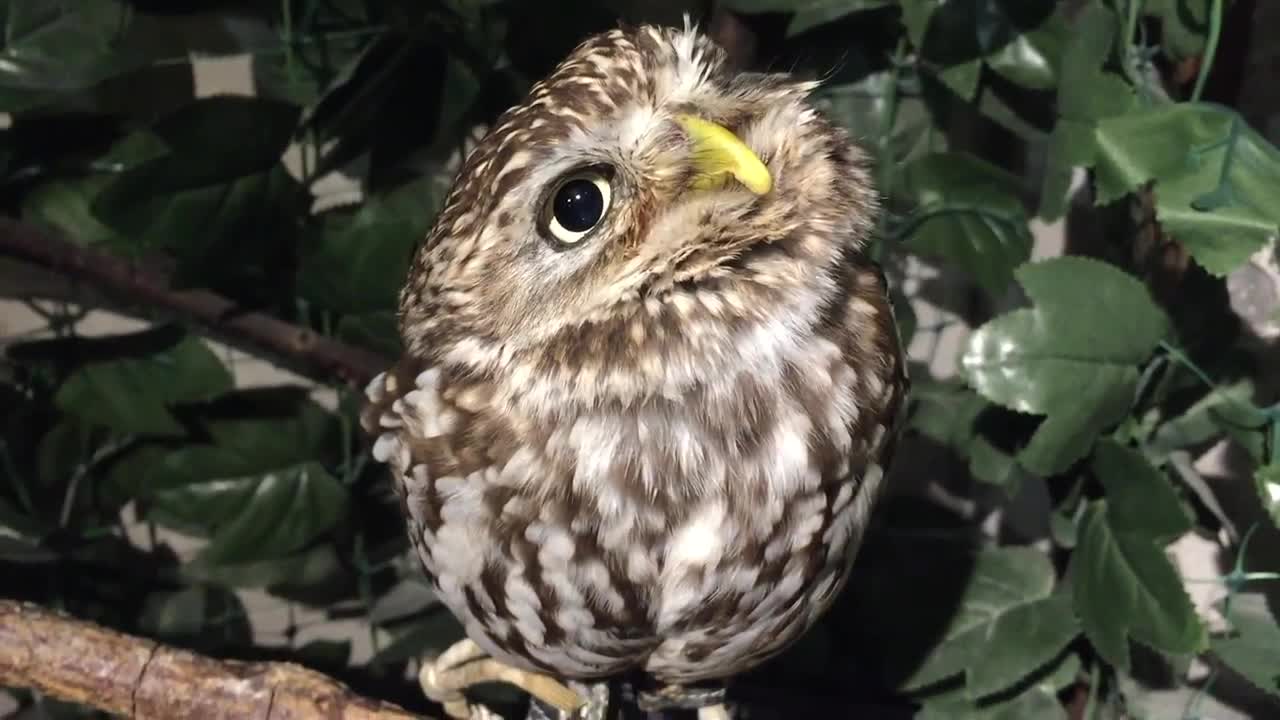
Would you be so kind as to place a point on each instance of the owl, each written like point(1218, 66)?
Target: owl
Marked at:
point(651, 379)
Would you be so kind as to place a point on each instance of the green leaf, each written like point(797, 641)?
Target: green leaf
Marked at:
point(1183, 25)
point(967, 213)
point(991, 465)
point(263, 516)
point(1247, 426)
point(66, 204)
point(409, 597)
point(812, 13)
point(24, 552)
point(316, 567)
point(1086, 94)
point(360, 258)
point(1062, 528)
point(378, 331)
point(1037, 701)
point(218, 199)
point(1125, 587)
point(1003, 579)
point(1072, 357)
point(1252, 648)
point(861, 108)
point(56, 49)
point(1034, 704)
point(1267, 480)
point(436, 631)
point(325, 653)
point(1216, 178)
point(223, 137)
point(247, 432)
point(1020, 641)
point(61, 450)
point(314, 59)
point(945, 413)
point(1031, 58)
point(957, 37)
point(207, 617)
point(1199, 424)
point(1139, 497)
point(155, 370)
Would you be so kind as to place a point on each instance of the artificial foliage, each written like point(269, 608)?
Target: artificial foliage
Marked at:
point(1090, 381)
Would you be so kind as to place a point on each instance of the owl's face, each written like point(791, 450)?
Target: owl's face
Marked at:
point(642, 176)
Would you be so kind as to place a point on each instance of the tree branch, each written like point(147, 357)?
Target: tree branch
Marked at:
point(145, 289)
point(134, 677)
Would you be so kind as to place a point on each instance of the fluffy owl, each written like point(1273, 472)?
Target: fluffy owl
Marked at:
point(651, 380)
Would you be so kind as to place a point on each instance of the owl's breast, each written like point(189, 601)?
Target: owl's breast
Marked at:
point(689, 535)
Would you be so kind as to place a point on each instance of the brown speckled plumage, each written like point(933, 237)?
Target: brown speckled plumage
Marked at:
point(657, 449)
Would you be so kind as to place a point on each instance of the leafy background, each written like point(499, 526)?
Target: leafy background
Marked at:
point(1084, 521)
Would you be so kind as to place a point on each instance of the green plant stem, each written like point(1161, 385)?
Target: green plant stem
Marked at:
point(1192, 709)
point(286, 31)
point(922, 215)
point(1273, 451)
point(885, 165)
point(1130, 54)
point(77, 478)
point(1131, 22)
point(1185, 361)
point(11, 472)
point(1210, 49)
point(1091, 703)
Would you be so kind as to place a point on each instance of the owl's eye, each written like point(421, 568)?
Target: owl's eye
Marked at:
point(577, 205)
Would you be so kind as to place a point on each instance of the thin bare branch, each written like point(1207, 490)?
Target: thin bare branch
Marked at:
point(145, 289)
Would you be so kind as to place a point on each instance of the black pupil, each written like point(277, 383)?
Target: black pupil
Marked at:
point(578, 205)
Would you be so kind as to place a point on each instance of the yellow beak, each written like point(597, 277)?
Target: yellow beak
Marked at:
point(719, 155)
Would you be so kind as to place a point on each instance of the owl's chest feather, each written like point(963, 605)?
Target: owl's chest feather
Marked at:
point(662, 531)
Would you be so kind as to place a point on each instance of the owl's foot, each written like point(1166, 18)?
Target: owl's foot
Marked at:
point(709, 702)
point(444, 679)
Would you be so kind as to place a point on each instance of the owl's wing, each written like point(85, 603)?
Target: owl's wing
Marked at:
point(429, 431)
point(865, 329)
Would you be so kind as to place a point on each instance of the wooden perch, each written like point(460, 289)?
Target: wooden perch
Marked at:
point(145, 289)
point(134, 677)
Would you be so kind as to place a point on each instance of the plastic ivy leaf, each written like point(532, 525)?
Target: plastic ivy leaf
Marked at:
point(1182, 25)
point(1139, 497)
point(244, 433)
point(57, 49)
point(1125, 587)
point(812, 13)
point(1252, 648)
point(1039, 701)
point(263, 516)
point(945, 412)
point(1072, 357)
point(1200, 422)
point(1086, 93)
point(196, 615)
point(1216, 179)
point(1006, 625)
point(1018, 40)
point(142, 377)
point(968, 214)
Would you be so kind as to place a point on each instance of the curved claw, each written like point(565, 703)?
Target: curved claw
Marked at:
point(443, 680)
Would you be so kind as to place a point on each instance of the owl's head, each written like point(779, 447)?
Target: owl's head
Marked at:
point(642, 188)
